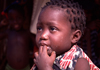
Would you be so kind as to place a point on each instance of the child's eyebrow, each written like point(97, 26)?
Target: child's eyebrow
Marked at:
point(52, 23)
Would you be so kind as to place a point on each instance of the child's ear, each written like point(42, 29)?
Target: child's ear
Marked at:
point(76, 35)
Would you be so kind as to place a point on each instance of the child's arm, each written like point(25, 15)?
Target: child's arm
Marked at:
point(82, 64)
point(42, 60)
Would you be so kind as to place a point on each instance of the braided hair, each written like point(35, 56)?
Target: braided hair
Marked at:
point(74, 10)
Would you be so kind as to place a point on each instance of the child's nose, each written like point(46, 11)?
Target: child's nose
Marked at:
point(44, 35)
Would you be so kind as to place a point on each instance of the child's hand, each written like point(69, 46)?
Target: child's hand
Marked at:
point(42, 60)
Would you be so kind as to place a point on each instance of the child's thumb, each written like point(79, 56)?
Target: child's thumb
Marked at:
point(53, 55)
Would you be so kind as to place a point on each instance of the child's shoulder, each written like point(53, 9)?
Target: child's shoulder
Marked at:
point(82, 64)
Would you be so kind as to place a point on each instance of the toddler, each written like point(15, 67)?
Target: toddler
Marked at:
point(61, 24)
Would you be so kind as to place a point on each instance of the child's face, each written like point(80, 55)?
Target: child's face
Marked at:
point(53, 31)
point(15, 19)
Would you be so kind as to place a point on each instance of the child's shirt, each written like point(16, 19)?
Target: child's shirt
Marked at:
point(68, 60)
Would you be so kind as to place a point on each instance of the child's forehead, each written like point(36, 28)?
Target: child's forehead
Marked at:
point(52, 16)
point(53, 12)
point(54, 7)
point(13, 12)
point(66, 11)
point(51, 9)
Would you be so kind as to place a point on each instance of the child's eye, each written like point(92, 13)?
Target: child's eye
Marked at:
point(39, 28)
point(53, 28)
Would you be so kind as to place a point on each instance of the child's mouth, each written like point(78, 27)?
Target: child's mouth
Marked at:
point(49, 51)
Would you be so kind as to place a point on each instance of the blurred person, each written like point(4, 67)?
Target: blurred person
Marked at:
point(18, 39)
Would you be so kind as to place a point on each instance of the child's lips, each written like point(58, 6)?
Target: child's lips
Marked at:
point(49, 51)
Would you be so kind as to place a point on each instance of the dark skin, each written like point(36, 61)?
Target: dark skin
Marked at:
point(55, 37)
point(18, 49)
point(18, 41)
